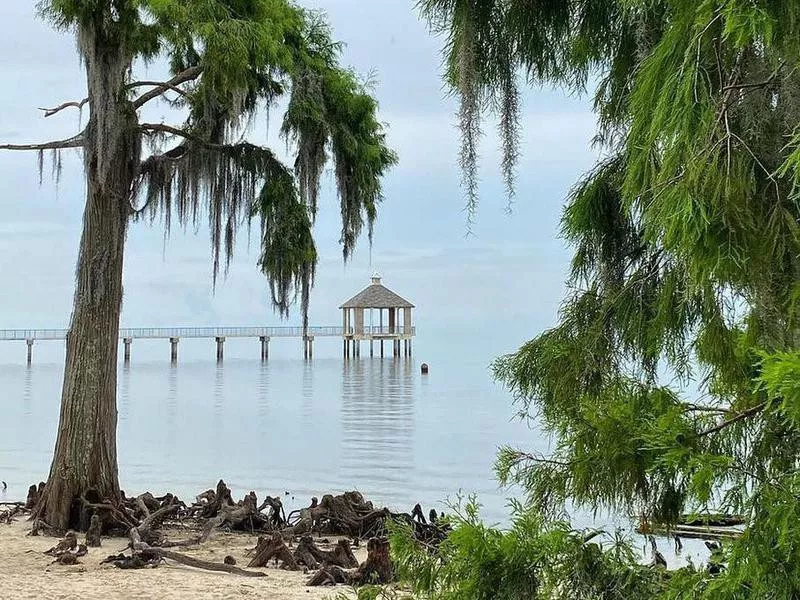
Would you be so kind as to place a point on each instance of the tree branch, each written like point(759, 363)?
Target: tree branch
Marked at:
point(167, 86)
point(712, 409)
point(189, 74)
point(73, 142)
point(169, 129)
point(49, 112)
point(163, 128)
point(728, 422)
point(747, 86)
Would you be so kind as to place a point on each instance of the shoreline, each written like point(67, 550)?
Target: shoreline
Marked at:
point(29, 574)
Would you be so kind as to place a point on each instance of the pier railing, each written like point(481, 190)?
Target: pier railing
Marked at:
point(179, 332)
point(351, 340)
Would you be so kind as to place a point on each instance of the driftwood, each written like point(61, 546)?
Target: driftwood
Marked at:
point(148, 553)
point(71, 557)
point(68, 544)
point(136, 561)
point(197, 563)
point(712, 520)
point(14, 509)
point(273, 548)
point(376, 570)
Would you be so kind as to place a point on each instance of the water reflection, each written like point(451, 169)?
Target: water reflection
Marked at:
point(219, 401)
point(171, 409)
point(377, 417)
point(263, 393)
point(27, 393)
point(308, 390)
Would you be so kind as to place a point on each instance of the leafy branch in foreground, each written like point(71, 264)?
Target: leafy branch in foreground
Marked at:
point(669, 383)
point(535, 558)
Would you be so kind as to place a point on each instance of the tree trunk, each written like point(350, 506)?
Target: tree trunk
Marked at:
point(86, 447)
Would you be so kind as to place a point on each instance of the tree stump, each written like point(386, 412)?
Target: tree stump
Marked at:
point(304, 555)
point(417, 514)
point(377, 569)
point(222, 498)
point(341, 556)
point(94, 532)
point(273, 547)
point(33, 498)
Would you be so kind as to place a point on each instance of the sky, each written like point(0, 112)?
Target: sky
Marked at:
point(503, 283)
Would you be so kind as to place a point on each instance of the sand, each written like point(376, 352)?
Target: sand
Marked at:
point(27, 573)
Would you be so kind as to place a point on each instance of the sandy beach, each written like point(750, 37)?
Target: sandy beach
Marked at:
point(27, 573)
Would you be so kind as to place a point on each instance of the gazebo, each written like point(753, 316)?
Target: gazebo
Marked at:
point(363, 319)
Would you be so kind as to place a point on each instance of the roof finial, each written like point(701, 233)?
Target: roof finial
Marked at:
point(376, 278)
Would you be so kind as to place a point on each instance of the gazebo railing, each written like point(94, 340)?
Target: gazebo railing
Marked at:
point(382, 330)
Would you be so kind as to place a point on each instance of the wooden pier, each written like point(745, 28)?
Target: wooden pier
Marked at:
point(399, 329)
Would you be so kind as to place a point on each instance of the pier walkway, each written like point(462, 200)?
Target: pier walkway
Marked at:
point(219, 334)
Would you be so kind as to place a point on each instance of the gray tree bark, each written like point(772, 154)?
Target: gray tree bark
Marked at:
point(85, 455)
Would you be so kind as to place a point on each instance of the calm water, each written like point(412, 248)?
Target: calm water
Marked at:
point(327, 425)
point(288, 425)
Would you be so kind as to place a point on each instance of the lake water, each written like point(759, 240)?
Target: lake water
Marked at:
point(288, 425)
point(306, 427)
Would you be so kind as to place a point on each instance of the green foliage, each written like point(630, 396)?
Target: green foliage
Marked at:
point(235, 58)
point(535, 558)
point(372, 592)
point(669, 383)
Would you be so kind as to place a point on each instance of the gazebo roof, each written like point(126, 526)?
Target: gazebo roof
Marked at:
point(376, 295)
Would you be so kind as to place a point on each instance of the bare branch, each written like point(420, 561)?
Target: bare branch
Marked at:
point(189, 74)
point(49, 112)
point(73, 142)
point(169, 129)
point(711, 409)
point(163, 128)
point(160, 84)
point(748, 86)
point(728, 422)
